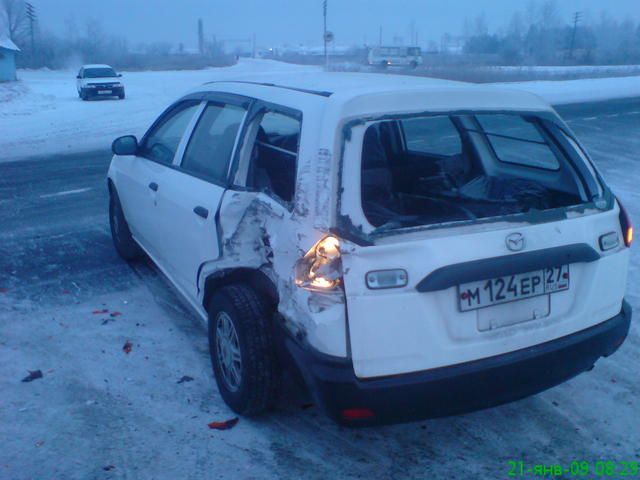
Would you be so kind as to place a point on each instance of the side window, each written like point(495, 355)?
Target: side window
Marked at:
point(515, 140)
point(274, 156)
point(432, 135)
point(211, 145)
point(162, 143)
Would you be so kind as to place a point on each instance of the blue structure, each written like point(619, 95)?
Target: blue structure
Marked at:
point(8, 52)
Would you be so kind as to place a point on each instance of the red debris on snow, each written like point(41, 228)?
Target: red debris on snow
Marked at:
point(98, 312)
point(226, 425)
point(113, 314)
point(3, 290)
point(127, 347)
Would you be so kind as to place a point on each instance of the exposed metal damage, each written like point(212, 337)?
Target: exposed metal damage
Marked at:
point(252, 227)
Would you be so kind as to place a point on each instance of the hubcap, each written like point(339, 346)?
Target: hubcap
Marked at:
point(228, 351)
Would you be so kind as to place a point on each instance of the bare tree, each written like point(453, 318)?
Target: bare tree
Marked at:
point(14, 19)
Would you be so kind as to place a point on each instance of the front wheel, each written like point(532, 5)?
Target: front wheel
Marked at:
point(123, 241)
point(121, 96)
point(242, 350)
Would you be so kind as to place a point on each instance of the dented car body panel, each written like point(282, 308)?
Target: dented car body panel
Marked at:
point(290, 205)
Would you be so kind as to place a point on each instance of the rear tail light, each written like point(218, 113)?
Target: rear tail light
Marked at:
point(625, 224)
point(357, 414)
point(321, 267)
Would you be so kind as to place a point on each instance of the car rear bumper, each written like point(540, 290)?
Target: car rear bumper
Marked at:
point(459, 388)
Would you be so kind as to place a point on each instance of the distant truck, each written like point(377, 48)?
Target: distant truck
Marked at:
point(395, 56)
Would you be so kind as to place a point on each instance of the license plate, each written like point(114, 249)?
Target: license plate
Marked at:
point(510, 288)
point(104, 92)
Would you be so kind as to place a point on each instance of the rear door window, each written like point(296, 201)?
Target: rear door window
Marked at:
point(518, 141)
point(275, 154)
point(210, 148)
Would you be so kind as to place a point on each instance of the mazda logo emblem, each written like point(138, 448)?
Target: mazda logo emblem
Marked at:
point(515, 241)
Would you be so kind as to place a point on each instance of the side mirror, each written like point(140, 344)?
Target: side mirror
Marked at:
point(119, 74)
point(127, 145)
point(78, 77)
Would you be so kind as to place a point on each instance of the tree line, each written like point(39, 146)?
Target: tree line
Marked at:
point(538, 35)
point(88, 42)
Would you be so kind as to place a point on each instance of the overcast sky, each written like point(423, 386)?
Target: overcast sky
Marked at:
point(294, 21)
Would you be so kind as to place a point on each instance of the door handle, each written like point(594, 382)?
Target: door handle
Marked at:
point(201, 211)
point(153, 186)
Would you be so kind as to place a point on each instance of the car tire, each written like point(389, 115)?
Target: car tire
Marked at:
point(241, 340)
point(413, 65)
point(121, 96)
point(83, 95)
point(123, 241)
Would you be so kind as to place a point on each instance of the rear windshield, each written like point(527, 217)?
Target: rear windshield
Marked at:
point(439, 169)
point(99, 72)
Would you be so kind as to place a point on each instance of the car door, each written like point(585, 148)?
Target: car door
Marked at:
point(141, 177)
point(190, 195)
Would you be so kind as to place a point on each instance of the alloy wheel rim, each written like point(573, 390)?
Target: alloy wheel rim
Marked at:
point(228, 351)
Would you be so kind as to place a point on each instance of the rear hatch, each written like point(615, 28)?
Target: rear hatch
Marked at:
point(463, 249)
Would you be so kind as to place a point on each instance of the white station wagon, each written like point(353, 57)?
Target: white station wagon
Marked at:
point(411, 248)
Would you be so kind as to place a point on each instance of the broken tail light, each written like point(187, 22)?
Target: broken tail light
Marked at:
point(625, 225)
point(321, 267)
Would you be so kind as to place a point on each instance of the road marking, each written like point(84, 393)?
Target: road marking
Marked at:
point(66, 192)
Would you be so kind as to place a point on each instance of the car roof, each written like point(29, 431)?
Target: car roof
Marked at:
point(97, 65)
point(378, 91)
point(329, 83)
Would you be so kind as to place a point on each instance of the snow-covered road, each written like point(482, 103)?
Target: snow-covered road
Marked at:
point(68, 304)
point(42, 114)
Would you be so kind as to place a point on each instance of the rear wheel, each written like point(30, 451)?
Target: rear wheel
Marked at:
point(242, 350)
point(123, 241)
point(121, 96)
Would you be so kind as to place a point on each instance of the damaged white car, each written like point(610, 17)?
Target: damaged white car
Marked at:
point(412, 248)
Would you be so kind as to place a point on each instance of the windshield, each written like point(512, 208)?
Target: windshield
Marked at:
point(99, 72)
point(438, 169)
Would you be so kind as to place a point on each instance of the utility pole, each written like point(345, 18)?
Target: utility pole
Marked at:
point(380, 37)
point(31, 15)
point(324, 35)
point(200, 37)
point(576, 19)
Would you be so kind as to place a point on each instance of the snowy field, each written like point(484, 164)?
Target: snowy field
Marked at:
point(42, 114)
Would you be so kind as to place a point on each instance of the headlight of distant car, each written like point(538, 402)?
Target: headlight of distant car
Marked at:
point(118, 84)
point(89, 86)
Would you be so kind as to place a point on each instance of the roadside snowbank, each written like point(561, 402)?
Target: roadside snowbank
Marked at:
point(42, 114)
point(581, 91)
